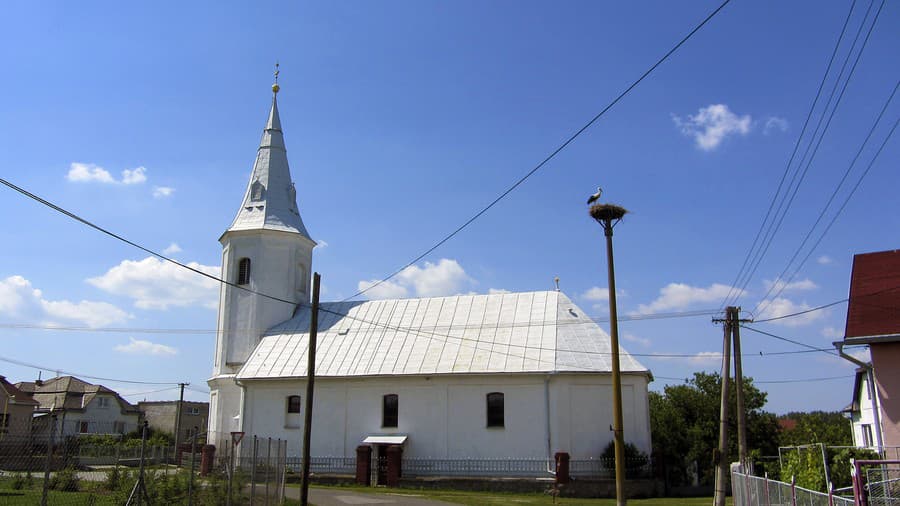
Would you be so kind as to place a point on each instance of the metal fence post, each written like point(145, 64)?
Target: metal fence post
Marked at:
point(793, 491)
point(191, 475)
point(50, 442)
point(253, 469)
point(283, 467)
point(268, 464)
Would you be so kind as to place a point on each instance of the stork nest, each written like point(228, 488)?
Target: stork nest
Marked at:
point(607, 212)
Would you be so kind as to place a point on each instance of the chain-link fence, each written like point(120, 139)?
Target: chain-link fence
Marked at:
point(749, 490)
point(41, 464)
point(883, 484)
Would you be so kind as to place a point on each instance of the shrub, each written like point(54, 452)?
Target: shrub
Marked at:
point(635, 460)
point(65, 480)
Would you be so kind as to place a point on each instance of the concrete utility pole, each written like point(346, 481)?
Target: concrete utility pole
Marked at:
point(721, 454)
point(310, 383)
point(739, 389)
point(608, 215)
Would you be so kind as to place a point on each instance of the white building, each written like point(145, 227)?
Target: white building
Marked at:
point(514, 375)
point(866, 429)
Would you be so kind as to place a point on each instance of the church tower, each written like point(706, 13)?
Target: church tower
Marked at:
point(266, 250)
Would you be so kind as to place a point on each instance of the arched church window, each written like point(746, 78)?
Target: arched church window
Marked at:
point(495, 409)
point(390, 410)
point(243, 277)
point(293, 404)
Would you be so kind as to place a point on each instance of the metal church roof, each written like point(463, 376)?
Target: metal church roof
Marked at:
point(530, 332)
point(270, 201)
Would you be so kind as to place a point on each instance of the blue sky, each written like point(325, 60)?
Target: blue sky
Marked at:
point(403, 119)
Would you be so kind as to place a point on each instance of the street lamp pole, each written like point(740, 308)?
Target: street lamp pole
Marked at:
point(608, 215)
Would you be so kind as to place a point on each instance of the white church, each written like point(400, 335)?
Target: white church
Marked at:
point(500, 376)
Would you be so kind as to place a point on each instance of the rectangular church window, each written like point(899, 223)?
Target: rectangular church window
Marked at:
point(390, 410)
point(495, 409)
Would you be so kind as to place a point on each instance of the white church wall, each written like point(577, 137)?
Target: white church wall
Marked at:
point(445, 416)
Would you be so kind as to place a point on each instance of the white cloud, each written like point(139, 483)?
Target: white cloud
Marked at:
point(596, 294)
point(833, 333)
point(18, 298)
point(161, 192)
point(496, 291)
point(385, 290)
point(157, 284)
point(680, 296)
point(142, 347)
point(782, 306)
point(134, 176)
point(637, 339)
point(172, 249)
point(446, 277)
point(712, 124)
point(88, 172)
point(824, 260)
point(91, 173)
point(779, 285)
point(774, 123)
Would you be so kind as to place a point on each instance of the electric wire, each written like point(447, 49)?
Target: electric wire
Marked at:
point(793, 189)
point(549, 157)
point(762, 226)
point(767, 382)
point(862, 146)
point(798, 343)
point(69, 373)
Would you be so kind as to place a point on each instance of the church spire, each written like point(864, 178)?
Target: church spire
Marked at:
point(270, 201)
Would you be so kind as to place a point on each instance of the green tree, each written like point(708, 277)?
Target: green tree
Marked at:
point(830, 428)
point(684, 423)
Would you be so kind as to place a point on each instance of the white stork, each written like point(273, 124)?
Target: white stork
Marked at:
point(595, 197)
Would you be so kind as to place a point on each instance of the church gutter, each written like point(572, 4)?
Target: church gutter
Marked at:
point(547, 410)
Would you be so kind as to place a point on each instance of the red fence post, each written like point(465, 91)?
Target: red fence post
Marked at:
point(207, 456)
point(394, 454)
point(562, 467)
point(363, 465)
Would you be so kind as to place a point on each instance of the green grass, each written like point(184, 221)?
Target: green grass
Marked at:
point(534, 499)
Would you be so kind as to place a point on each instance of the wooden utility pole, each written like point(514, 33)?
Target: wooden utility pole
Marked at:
point(310, 383)
point(178, 416)
point(608, 215)
point(721, 453)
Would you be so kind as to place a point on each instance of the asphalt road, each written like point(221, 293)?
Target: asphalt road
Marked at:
point(337, 497)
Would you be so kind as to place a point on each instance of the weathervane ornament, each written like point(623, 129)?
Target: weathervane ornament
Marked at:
point(275, 86)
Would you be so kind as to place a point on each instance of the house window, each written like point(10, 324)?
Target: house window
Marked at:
point(4, 423)
point(867, 439)
point(292, 415)
point(119, 427)
point(390, 408)
point(103, 402)
point(83, 428)
point(194, 411)
point(243, 277)
point(495, 409)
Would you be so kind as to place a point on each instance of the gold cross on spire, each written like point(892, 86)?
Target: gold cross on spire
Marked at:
point(275, 86)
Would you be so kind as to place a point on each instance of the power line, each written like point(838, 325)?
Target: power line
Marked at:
point(155, 330)
point(819, 142)
point(792, 188)
point(75, 217)
point(767, 382)
point(750, 253)
point(828, 204)
point(824, 306)
point(147, 393)
point(798, 343)
point(550, 156)
point(69, 373)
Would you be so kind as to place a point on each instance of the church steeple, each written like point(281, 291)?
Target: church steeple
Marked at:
point(270, 201)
